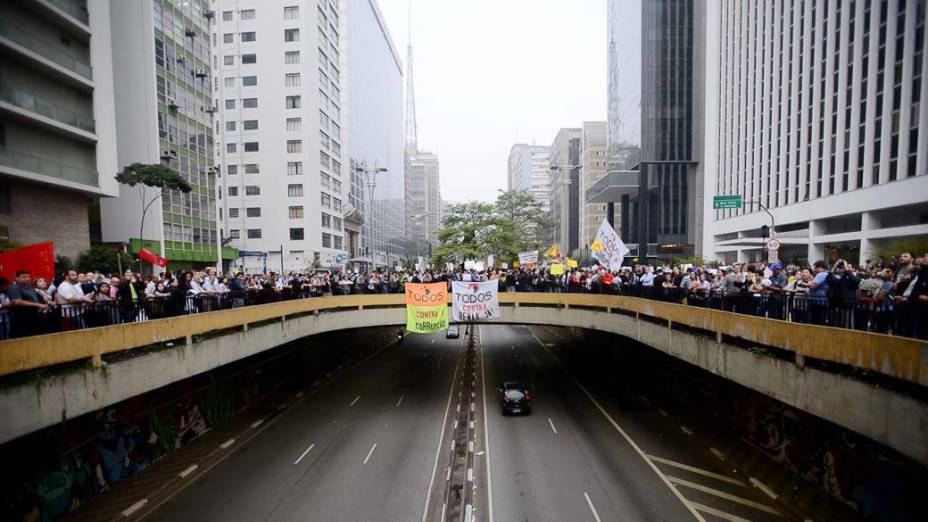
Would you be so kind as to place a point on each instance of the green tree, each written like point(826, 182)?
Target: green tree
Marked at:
point(153, 176)
point(103, 259)
point(522, 224)
point(464, 233)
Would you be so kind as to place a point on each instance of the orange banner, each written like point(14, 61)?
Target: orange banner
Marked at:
point(426, 294)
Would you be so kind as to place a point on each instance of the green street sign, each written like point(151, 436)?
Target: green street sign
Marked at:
point(720, 202)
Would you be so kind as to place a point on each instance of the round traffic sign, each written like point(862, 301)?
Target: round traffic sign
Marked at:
point(772, 234)
point(773, 244)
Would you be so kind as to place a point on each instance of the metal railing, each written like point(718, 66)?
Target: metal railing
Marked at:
point(38, 45)
point(48, 167)
point(33, 103)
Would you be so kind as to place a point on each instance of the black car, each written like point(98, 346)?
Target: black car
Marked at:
point(515, 397)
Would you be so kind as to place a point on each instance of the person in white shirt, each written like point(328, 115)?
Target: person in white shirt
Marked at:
point(70, 296)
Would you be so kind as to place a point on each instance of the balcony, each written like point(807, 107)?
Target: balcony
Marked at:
point(613, 186)
point(34, 104)
point(74, 9)
point(39, 46)
point(47, 167)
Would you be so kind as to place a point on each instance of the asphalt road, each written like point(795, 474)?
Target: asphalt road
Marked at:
point(374, 434)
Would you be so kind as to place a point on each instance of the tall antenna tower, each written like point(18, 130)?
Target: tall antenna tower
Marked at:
point(411, 145)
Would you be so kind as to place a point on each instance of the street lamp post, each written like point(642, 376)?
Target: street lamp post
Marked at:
point(765, 233)
point(371, 182)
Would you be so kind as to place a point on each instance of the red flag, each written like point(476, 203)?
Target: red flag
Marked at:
point(153, 258)
point(38, 259)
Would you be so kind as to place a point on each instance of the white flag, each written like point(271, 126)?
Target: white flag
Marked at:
point(608, 247)
point(473, 301)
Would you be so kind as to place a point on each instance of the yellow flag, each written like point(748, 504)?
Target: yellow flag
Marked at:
point(596, 246)
point(515, 264)
point(572, 263)
point(557, 268)
point(554, 251)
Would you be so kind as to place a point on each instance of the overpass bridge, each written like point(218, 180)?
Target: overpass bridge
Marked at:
point(869, 383)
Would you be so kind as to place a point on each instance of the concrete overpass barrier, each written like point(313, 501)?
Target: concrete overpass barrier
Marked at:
point(711, 339)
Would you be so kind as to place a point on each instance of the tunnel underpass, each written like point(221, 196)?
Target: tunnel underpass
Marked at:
point(360, 426)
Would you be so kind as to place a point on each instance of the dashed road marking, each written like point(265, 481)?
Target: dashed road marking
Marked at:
point(257, 423)
point(400, 401)
point(551, 423)
point(699, 471)
point(592, 507)
point(369, 453)
point(310, 448)
point(441, 436)
point(727, 496)
point(662, 412)
point(227, 443)
point(134, 507)
point(470, 474)
point(763, 487)
point(188, 470)
point(686, 430)
point(356, 399)
point(717, 453)
point(718, 513)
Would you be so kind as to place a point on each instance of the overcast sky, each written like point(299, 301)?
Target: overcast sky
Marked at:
point(490, 73)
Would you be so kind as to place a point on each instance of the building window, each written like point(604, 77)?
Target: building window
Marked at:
point(294, 168)
point(291, 12)
point(228, 60)
point(294, 146)
point(296, 234)
point(295, 212)
point(326, 240)
point(252, 190)
point(326, 200)
point(231, 147)
point(249, 36)
point(337, 223)
point(326, 220)
point(250, 103)
point(292, 57)
point(233, 212)
point(291, 35)
point(227, 16)
point(229, 82)
point(249, 58)
point(251, 146)
point(253, 212)
point(325, 179)
point(230, 104)
point(337, 245)
point(230, 125)
point(294, 124)
point(231, 170)
point(254, 233)
point(233, 191)
point(249, 81)
point(228, 38)
point(293, 102)
point(250, 125)
point(234, 233)
point(295, 190)
point(252, 168)
point(337, 186)
point(247, 14)
point(292, 80)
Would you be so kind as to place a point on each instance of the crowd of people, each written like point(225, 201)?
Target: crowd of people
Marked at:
point(888, 296)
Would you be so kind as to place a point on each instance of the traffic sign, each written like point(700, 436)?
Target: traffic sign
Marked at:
point(773, 244)
point(772, 234)
point(723, 202)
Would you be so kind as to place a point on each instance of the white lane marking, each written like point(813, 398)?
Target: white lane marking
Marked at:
point(468, 513)
point(472, 406)
point(686, 430)
point(257, 423)
point(619, 429)
point(763, 487)
point(441, 436)
point(227, 443)
point(551, 423)
point(486, 436)
point(455, 425)
point(449, 474)
point(592, 507)
point(662, 412)
point(310, 448)
point(727, 496)
point(718, 513)
point(188, 470)
point(470, 474)
point(699, 471)
point(444, 507)
point(400, 401)
point(356, 399)
point(717, 453)
point(134, 507)
point(369, 453)
point(440, 357)
point(299, 394)
point(470, 425)
point(470, 446)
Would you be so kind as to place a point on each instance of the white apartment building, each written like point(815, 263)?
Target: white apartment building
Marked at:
point(816, 110)
point(279, 71)
point(529, 170)
point(593, 167)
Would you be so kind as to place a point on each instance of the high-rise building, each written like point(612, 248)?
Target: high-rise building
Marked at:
point(164, 114)
point(281, 107)
point(593, 168)
point(529, 170)
point(564, 166)
point(656, 105)
point(375, 124)
point(817, 113)
point(57, 122)
point(423, 194)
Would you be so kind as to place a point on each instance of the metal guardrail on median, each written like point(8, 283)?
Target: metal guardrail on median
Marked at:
point(898, 357)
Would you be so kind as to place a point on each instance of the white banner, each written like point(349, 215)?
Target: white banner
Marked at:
point(608, 247)
point(528, 258)
point(474, 301)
